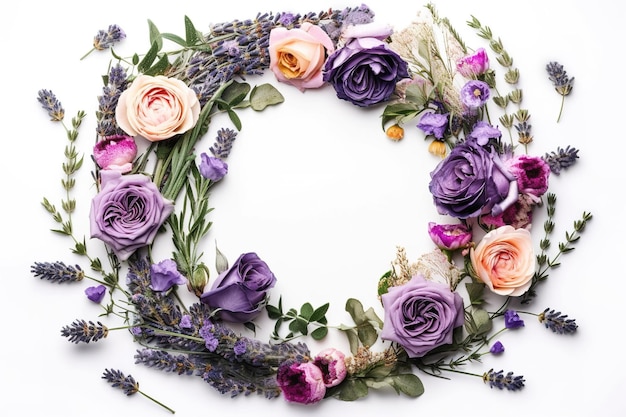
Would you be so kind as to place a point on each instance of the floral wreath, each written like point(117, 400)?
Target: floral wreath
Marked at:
point(156, 107)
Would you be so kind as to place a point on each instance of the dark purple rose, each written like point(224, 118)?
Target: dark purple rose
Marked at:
point(301, 382)
point(240, 292)
point(212, 168)
point(434, 124)
point(95, 294)
point(471, 182)
point(421, 315)
point(365, 71)
point(127, 212)
point(475, 93)
point(532, 174)
point(483, 131)
point(512, 320)
point(165, 275)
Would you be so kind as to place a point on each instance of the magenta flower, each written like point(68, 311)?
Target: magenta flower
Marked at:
point(165, 275)
point(471, 66)
point(475, 93)
point(333, 366)
point(433, 124)
point(449, 236)
point(212, 168)
point(532, 174)
point(95, 294)
point(301, 382)
point(115, 153)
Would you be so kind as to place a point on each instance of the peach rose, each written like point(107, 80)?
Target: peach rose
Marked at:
point(157, 108)
point(504, 259)
point(298, 55)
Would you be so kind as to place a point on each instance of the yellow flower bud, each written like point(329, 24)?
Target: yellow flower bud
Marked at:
point(395, 132)
point(438, 148)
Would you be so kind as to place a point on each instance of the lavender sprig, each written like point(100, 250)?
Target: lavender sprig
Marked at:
point(561, 159)
point(557, 322)
point(106, 38)
point(561, 81)
point(83, 331)
point(501, 381)
point(117, 379)
point(51, 104)
point(57, 272)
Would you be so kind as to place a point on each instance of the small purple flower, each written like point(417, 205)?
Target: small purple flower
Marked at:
point(207, 333)
point(449, 236)
point(115, 152)
point(475, 93)
point(136, 331)
point(434, 124)
point(95, 294)
point(165, 275)
point(483, 131)
point(107, 38)
point(212, 168)
point(497, 348)
point(286, 19)
point(512, 320)
point(472, 66)
point(185, 322)
point(240, 347)
point(333, 366)
point(301, 382)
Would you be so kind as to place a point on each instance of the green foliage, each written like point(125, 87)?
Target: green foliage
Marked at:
point(368, 325)
point(307, 321)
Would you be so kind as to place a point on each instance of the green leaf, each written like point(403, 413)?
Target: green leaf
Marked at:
point(353, 340)
point(160, 67)
point(191, 34)
point(273, 312)
point(351, 390)
point(319, 333)
point(475, 292)
point(306, 311)
point(235, 119)
point(265, 95)
point(149, 58)
point(478, 322)
point(235, 93)
point(155, 35)
point(407, 384)
point(319, 313)
point(174, 38)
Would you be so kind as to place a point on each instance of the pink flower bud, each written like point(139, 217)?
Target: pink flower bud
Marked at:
point(115, 153)
point(471, 66)
point(449, 236)
point(333, 365)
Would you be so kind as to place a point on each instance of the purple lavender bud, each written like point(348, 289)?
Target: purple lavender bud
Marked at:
point(497, 348)
point(512, 320)
point(95, 294)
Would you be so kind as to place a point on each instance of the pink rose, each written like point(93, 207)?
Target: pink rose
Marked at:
point(301, 382)
point(157, 108)
point(298, 55)
point(115, 152)
point(332, 363)
point(504, 260)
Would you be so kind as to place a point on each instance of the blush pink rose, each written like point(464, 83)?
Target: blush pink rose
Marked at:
point(298, 55)
point(504, 260)
point(157, 108)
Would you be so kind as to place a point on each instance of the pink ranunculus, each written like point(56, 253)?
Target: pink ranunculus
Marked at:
point(471, 66)
point(115, 152)
point(297, 55)
point(449, 236)
point(301, 382)
point(332, 362)
point(421, 315)
point(504, 260)
point(532, 174)
point(157, 108)
point(127, 212)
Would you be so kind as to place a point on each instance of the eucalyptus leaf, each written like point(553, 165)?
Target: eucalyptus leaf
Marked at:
point(235, 93)
point(407, 384)
point(265, 95)
point(155, 35)
point(351, 390)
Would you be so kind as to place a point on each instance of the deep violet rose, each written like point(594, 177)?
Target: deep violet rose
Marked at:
point(472, 181)
point(164, 275)
point(127, 212)
point(421, 315)
point(301, 382)
point(239, 292)
point(365, 71)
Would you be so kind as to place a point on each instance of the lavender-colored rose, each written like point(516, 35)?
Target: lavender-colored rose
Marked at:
point(239, 293)
point(127, 212)
point(365, 71)
point(472, 181)
point(421, 315)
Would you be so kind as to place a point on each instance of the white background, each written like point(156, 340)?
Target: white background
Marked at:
point(318, 191)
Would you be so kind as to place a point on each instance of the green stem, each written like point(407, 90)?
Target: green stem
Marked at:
point(157, 402)
point(561, 109)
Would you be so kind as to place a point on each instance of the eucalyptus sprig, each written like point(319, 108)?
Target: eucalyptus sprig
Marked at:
point(546, 263)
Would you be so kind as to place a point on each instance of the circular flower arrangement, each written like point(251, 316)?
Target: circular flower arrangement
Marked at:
point(161, 103)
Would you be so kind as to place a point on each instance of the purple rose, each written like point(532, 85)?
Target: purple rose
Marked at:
point(471, 182)
point(301, 382)
point(474, 93)
point(95, 294)
point(421, 315)
point(212, 168)
point(434, 124)
point(532, 174)
point(365, 71)
point(240, 292)
point(165, 275)
point(449, 236)
point(127, 212)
